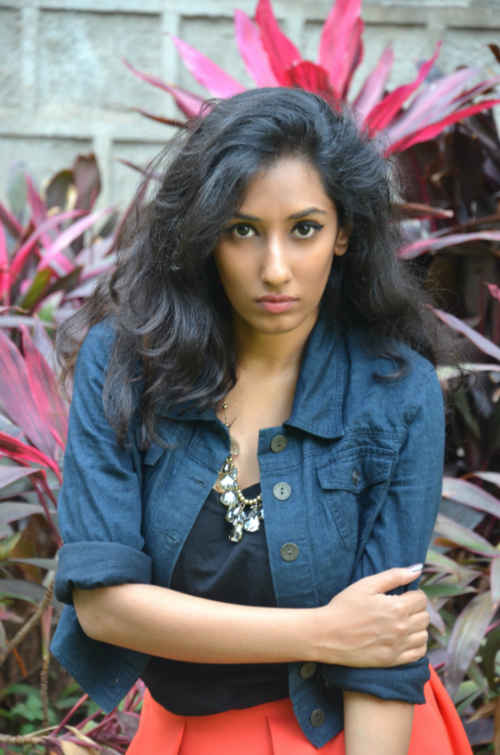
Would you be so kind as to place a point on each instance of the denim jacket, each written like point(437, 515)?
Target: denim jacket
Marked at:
point(363, 460)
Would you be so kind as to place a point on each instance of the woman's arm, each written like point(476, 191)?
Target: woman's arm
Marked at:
point(361, 626)
point(378, 727)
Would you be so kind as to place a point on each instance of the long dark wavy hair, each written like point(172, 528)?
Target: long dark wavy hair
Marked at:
point(170, 312)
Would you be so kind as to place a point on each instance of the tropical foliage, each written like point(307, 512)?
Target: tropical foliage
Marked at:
point(440, 131)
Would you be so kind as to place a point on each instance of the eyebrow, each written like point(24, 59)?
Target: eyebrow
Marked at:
point(295, 216)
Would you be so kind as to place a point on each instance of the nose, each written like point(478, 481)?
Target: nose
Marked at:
point(275, 268)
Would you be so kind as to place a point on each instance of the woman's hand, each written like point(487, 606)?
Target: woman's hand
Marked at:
point(363, 627)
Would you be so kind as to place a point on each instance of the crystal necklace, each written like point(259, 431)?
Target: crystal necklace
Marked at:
point(232, 497)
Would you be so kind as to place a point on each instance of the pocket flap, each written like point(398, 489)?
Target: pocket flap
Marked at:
point(357, 470)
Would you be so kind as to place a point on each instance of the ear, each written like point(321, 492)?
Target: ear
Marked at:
point(341, 242)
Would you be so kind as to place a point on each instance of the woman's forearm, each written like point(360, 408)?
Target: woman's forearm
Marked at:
point(378, 727)
point(361, 626)
point(170, 624)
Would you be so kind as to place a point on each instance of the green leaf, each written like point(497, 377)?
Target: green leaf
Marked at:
point(22, 589)
point(462, 405)
point(465, 690)
point(439, 559)
point(488, 654)
point(8, 544)
point(445, 591)
point(41, 563)
point(36, 292)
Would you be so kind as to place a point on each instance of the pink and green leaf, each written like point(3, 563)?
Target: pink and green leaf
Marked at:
point(4, 266)
point(383, 113)
point(207, 73)
point(43, 385)
point(373, 89)
point(69, 235)
point(466, 637)
point(340, 46)
point(281, 52)
point(10, 221)
point(187, 102)
point(21, 256)
point(252, 51)
point(309, 76)
point(482, 343)
point(429, 132)
point(18, 400)
point(24, 454)
point(455, 533)
point(435, 243)
point(470, 495)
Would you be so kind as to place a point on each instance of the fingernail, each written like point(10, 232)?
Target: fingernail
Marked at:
point(415, 568)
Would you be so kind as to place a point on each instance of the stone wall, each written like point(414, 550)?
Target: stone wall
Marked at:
point(64, 89)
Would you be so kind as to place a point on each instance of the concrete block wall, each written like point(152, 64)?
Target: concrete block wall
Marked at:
point(64, 89)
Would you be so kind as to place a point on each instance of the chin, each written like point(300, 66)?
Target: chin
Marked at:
point(282, 323)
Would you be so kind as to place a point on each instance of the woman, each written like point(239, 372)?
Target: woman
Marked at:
point(255, 452)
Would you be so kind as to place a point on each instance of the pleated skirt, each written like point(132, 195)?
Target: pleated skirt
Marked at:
point(272, 729)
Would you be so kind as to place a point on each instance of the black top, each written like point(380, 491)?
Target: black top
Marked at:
point(211, 566)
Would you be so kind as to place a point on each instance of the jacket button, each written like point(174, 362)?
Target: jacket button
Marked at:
point(278, 444)
point(356, 476)
point(282, 491)
point(307, 670)
point(318, 717)
point(289, 552)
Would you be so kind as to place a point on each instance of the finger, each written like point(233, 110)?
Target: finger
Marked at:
point(416, 640)
point(392, 578)
point(418, 622)
point(414, 601)
point(410, 656)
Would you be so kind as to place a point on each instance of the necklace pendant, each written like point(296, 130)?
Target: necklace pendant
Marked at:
point(252, 522)
point(235, 447)
point(236, 532)
point(225, 483)
point(229, 498)
point(234, 514)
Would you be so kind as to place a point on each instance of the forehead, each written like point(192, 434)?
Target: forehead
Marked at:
point(287, 182)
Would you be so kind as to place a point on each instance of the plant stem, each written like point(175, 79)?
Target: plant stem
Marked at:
point(19, 637)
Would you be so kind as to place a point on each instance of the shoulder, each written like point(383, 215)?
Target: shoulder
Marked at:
point(97, 346)
point(417, 390)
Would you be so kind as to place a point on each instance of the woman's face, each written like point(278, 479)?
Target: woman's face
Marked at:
point(275, 254)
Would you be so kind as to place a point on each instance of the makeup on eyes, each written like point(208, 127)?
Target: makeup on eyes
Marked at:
point(311, 224)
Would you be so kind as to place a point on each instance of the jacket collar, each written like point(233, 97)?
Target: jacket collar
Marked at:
point(317, 404)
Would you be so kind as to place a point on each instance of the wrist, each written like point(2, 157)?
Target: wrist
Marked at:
point(318, 636)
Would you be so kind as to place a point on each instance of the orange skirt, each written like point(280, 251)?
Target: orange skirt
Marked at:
point(272, 729)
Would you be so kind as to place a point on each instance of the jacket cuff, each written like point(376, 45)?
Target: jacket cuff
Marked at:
point(88, 565)
point(405, 683)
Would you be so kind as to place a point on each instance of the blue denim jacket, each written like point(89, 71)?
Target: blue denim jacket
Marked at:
point(363, 458)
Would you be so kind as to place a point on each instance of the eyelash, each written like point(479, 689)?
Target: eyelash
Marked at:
point(308, 223)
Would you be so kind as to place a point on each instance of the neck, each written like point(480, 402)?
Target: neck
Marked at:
point(271, 353)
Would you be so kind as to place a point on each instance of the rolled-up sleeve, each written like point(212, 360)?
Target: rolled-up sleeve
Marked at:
point(99, 506)
point(400, 536)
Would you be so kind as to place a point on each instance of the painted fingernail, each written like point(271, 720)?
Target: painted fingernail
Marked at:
point(415, 568)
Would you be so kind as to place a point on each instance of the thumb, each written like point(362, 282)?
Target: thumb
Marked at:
point(392, 578)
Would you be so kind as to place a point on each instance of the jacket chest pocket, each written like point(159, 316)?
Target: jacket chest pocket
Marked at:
point(353, 484)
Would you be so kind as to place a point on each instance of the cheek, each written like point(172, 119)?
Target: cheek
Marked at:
point(234, 273)
point(314, 268)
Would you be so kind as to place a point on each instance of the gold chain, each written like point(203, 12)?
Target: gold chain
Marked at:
point(239, 494)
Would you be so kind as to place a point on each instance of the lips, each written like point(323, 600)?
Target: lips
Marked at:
point(276, 304)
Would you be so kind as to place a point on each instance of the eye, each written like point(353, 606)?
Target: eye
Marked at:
point(306, 229)
point(240, 231)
